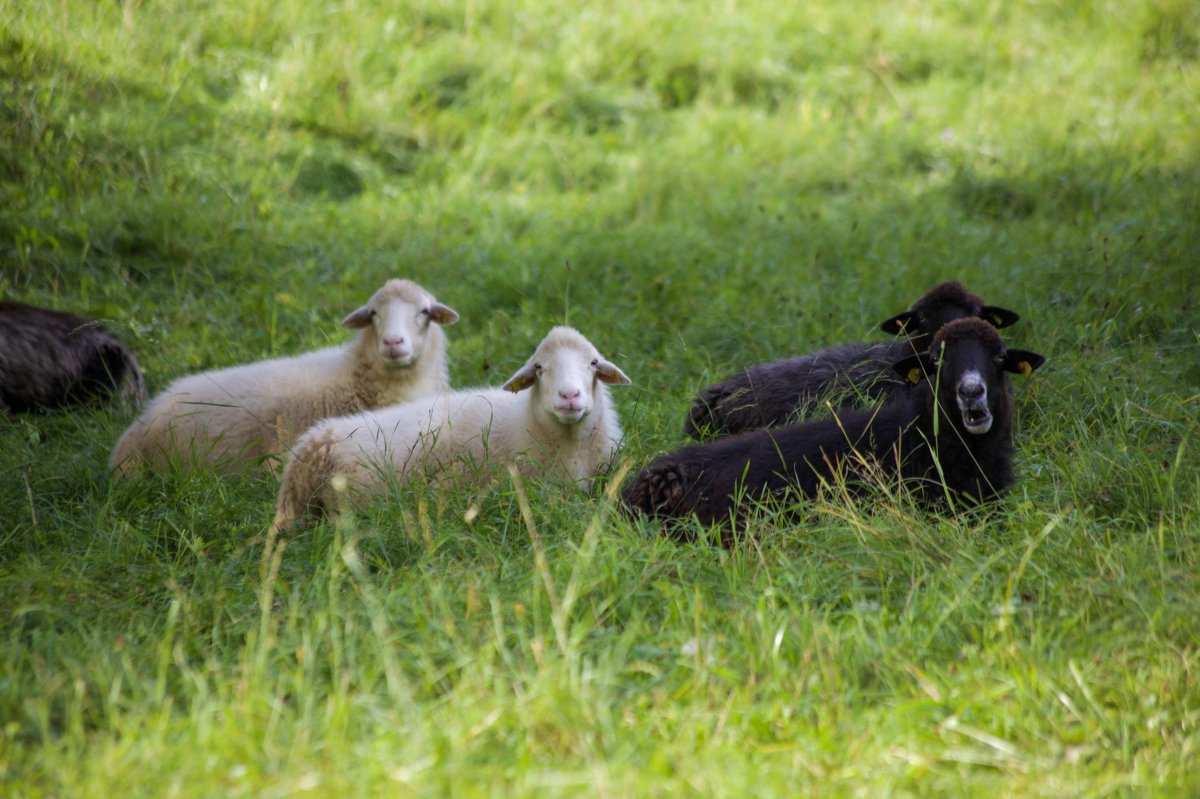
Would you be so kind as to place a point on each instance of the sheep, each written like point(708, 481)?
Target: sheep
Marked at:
point(52, 359)
point(567, 424)
point(229, 418)
point(776, 393)
point(950, 438)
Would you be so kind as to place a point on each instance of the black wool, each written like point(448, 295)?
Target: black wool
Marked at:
point(52, 359)
point(847, 375)
point(932, 439)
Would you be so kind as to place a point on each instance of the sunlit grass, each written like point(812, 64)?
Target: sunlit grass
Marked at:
point(696, 187)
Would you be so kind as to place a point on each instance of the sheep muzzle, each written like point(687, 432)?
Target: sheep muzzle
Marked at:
point(972, 400)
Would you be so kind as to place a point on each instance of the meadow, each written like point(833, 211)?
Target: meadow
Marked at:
point(695, 186)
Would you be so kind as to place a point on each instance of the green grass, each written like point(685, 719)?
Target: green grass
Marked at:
point(695, 186)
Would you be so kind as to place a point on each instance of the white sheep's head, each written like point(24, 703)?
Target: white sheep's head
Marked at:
point(399, 314)
point(563, 373)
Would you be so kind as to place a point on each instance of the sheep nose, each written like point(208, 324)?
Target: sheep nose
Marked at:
point(570, 394)
point(394, 341)
point(971, 391)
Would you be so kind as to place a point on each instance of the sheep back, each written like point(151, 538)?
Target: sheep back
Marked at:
point(53, 359)
point(341, 461)
point(229, 417)
point(712, 480)
point(782, 392)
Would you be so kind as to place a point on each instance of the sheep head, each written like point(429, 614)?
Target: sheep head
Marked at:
point(564, 372)
point(941, 305)
point(399, 316)
point(965, 367)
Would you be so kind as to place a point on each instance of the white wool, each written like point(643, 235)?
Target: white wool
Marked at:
point(563, 422)
point(228, 418)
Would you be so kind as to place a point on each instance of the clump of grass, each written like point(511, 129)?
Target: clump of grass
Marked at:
point(696, 188)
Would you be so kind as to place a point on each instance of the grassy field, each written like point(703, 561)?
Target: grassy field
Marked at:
point(695, 186)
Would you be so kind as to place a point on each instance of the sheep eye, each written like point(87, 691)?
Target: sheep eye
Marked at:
point(537, 367)
point(595, 363)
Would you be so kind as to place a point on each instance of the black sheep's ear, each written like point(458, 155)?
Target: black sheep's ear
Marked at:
point(900, 324)
point(1022, 362)
point(915, 367)
point(999, 317)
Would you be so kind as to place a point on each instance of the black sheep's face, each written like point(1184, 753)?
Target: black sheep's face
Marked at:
point(972, 378)
point(967, 371)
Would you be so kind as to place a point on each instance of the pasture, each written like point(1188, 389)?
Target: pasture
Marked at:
point(695, 187)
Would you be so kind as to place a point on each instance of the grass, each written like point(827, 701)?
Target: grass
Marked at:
point(696, 187)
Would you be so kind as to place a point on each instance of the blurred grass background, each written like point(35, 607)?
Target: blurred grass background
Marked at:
point(695, 186)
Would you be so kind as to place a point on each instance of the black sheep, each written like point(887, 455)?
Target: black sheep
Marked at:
point(51, 359)
point(780, 392)
point(961, 444)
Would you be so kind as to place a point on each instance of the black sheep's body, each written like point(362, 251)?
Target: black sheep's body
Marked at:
point(949, 436)
point(846, 375)
point(719, 480)
point(51, 359)
point(786, 391)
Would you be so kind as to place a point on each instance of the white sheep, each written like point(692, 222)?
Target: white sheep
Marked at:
point(566, 425)
point(228, 418)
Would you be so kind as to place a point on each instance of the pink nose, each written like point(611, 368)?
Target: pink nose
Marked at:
point(392, 343)
point(570, 396)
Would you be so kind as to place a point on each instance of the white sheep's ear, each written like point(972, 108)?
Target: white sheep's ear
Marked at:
point(443, 314)
point(609, 373)
point(525, 377)
point(358, 319)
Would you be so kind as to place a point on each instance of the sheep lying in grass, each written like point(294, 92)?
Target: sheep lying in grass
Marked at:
point(51, 359)
point(951, 436)
point(228, 418)
point(566, 424)
point(771, 394)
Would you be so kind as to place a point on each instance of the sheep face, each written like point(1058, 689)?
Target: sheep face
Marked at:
point(966, 366)
point(399, 316)
point(564, 373)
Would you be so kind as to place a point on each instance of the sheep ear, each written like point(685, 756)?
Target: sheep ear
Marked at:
point(525, 377)
point(1022, 362)
point(900, 324)
point(915, 367)
point(609, 373)
point(999, 317)
point(443, 314)
point(358, 319)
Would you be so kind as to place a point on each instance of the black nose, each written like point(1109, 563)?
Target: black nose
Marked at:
point(971, 391)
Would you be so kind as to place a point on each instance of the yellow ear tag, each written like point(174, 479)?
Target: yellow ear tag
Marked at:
point(1024, 368)
point(996, 320)
point(914, 374)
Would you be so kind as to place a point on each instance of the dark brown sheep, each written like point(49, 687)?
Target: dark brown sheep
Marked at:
point(781, 392)
point(52, 359)
point(951, 435)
